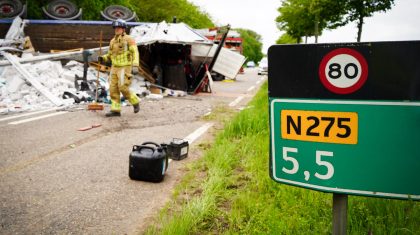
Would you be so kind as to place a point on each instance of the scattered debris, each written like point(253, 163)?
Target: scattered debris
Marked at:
point(50, 77)
point(31, 79)
point(85, 128)
point(167, 91)
point(90, 127)
point(154, 97)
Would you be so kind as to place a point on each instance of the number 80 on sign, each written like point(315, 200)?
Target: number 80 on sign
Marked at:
point(343, 71)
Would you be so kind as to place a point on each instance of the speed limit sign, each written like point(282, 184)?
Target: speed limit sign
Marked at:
point(344, 117)
point(343, 71)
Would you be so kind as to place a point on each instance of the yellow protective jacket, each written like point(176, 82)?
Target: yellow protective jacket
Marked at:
point(122, 51)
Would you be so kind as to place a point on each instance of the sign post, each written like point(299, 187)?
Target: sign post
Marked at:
point(344, 119)
point(339, 224)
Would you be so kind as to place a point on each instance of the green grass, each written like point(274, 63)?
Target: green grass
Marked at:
point(229, 191)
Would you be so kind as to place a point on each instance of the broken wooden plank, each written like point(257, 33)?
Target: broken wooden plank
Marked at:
point(102, 68)
point(70, 50)
point(55, 56)
point(146, 74)
point(42, 57)
point(28, 77)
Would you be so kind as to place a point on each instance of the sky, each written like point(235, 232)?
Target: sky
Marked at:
point(400, 23)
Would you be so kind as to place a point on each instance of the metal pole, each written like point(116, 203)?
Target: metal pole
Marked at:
point(219, 48)
point(340, 202)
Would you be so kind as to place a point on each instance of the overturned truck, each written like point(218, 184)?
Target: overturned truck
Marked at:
point(175, 55)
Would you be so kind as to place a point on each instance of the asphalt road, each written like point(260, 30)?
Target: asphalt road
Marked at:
point(57, 179)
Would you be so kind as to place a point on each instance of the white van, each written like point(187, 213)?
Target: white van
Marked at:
point(263, 66)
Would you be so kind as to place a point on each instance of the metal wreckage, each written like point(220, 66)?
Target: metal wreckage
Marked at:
point(53, 63)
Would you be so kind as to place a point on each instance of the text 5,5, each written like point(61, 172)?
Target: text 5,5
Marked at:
point(291, 156)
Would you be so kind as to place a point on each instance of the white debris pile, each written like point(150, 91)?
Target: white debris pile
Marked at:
point(17, 95)
point(138, 86)
point(15, 37)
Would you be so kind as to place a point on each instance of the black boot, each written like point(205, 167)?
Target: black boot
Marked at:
point(136, 108)
point(113, 114)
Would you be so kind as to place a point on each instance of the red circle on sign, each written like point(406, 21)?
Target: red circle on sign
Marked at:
point(343, 90)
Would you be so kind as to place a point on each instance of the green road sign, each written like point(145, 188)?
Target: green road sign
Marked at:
point(354, 147)
point(345, 117)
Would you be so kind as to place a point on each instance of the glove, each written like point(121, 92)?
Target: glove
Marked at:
point(101, 59)
point(135, 70)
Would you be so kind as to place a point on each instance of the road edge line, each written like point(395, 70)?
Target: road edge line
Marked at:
point(36, 118)
point(236, 101)
point(27, 114)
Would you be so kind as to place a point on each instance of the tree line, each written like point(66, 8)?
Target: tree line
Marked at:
point(252, 46)
point(157, 11)
point(306, 18)
point(147, 11)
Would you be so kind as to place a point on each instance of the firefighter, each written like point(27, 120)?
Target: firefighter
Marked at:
point(123, 54)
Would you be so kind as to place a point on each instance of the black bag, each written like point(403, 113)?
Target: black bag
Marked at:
point(148, 162)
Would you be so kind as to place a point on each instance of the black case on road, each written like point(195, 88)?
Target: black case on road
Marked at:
point(177, 149)
point(148, 162)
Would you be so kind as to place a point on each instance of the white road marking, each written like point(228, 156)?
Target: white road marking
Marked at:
point(197, 133)
point(236, 101)
point(36, 118)
point(27, 114)
point(258, 82)
point(251, 88)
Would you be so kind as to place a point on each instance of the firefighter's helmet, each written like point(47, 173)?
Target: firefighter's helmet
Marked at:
point(119, 23)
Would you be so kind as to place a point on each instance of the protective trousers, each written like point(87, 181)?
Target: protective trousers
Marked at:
point(120, 82)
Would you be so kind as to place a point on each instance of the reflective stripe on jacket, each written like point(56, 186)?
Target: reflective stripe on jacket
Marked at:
point(123, 51)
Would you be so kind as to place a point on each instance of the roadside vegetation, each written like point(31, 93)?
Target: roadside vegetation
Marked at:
point(306, 18)
point(252, 45)
point(229, 191)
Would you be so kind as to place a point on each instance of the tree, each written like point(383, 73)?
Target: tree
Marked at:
point(286, 39)
point(252, 46)
point(326, 14)
point(301, 18)
point(291, 19)
point(359, 9)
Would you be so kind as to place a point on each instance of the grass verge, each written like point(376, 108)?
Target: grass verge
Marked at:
point(229, 191)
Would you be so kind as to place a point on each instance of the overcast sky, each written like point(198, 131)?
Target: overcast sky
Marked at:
point(402, 22)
